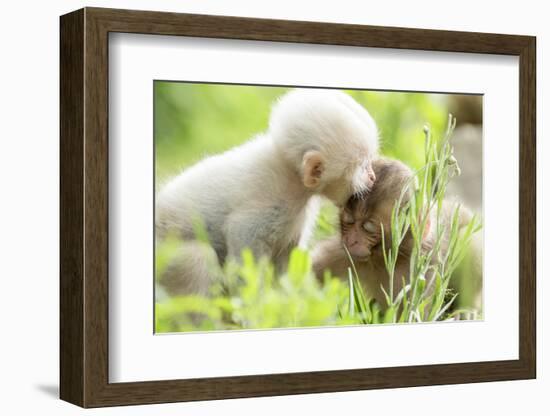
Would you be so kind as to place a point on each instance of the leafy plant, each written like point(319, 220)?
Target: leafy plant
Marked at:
point(253, 297)
point(424, 295)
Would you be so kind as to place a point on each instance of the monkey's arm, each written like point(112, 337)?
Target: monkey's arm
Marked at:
point(330, 255)
point(467, 279)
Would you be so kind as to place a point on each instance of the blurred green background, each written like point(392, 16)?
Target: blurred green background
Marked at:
point(195, 120)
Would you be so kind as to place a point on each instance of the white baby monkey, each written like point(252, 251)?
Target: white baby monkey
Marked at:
point(261, 194)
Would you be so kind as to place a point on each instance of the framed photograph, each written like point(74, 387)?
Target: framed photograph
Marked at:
point(254, 207)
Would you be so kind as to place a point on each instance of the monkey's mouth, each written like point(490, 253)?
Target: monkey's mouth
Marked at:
point(362, 255)
point(374, 251)
point(361, 258)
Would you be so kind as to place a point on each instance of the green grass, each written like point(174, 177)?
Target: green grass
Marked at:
point(255, 298)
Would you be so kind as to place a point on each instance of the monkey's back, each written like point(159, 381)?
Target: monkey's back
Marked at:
point(216, 189)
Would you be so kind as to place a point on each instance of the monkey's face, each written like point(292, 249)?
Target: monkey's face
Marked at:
point(367, 215)
point(362, 225)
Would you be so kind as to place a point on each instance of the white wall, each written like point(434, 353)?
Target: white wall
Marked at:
point(29, 209)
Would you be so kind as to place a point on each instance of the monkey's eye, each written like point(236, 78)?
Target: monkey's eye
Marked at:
point(347, 218)
point(370, 227)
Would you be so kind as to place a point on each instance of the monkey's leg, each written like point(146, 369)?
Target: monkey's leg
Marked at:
point(192, 271)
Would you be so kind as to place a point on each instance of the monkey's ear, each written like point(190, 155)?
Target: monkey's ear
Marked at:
point(313, 166)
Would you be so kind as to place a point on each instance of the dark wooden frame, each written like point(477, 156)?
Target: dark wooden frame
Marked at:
point(84, 207)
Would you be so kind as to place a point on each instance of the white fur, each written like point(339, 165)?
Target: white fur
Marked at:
point(329, 121)
point(253, 195)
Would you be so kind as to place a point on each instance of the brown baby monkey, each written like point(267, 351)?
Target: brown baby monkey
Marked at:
point(364, 219)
